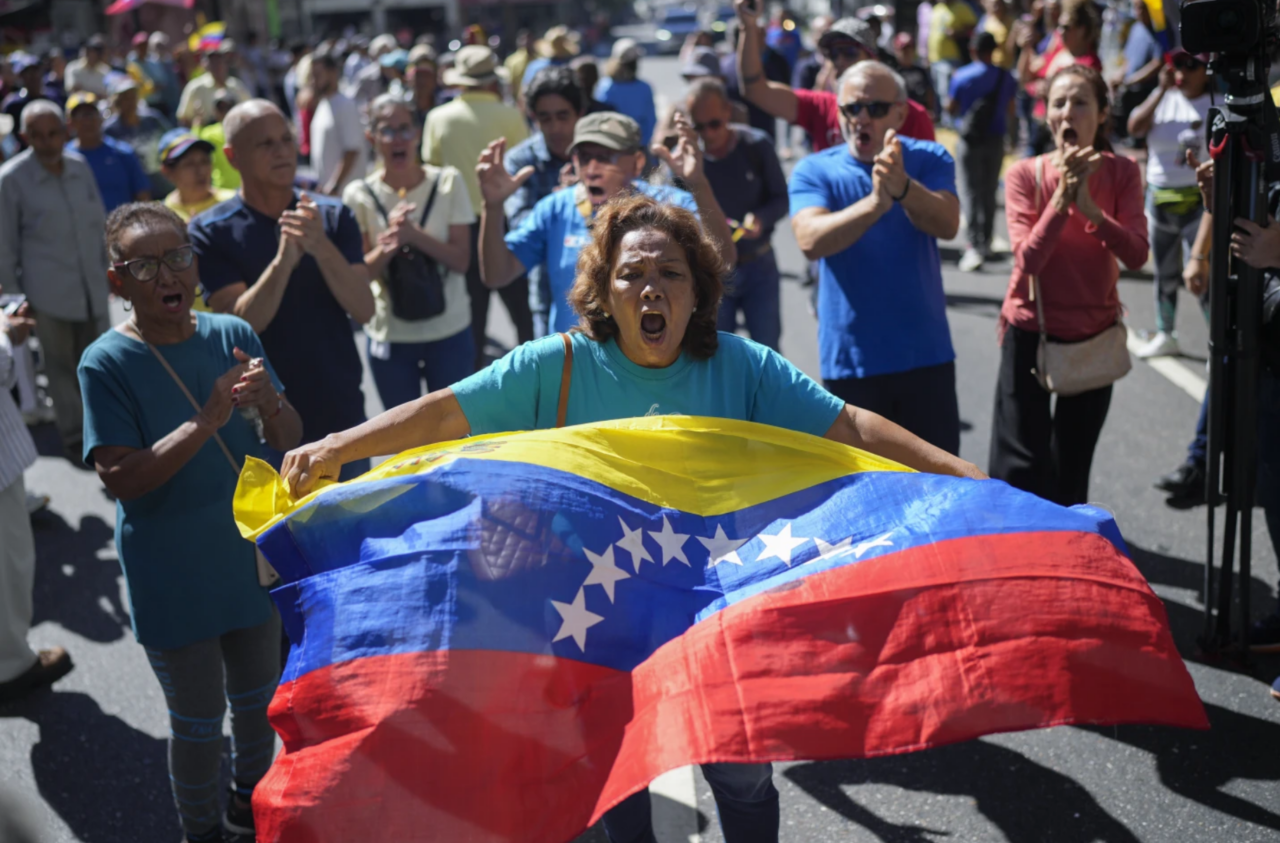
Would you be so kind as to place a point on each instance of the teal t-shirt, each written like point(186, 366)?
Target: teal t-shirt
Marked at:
point(743, 380)
point(189, 573)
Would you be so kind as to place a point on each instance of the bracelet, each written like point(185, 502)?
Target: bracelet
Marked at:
point(279, 407)
point(905, 190)
point(1199, 257)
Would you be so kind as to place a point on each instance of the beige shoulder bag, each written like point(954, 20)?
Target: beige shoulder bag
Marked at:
point(267, 575)
point(1070, 368)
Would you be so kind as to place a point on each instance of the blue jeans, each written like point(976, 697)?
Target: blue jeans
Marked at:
point(440, 363)
point(754, 289)
point(746, 800)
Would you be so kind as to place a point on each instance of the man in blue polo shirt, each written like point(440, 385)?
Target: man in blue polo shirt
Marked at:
point(871, 212)
point(116, 168)
point(292, 266)
point(607, 159)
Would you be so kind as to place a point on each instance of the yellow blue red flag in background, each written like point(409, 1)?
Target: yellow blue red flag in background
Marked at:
point(498, 639)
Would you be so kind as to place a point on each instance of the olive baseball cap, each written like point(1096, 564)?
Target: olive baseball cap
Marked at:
point(608, 129)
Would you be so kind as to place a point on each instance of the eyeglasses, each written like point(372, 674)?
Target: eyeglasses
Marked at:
point(387, 134)
point(582, 157)
point(147, 269)
point(876, 109)
point(1185, 61)
point(711, 125)
point(846, 51)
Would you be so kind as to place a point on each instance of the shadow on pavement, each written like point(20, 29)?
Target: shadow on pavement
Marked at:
point(671, 814)
point(106, 780)
point(977, 305)
point(1197, 765)
point(1002, 783)
point(74, 588)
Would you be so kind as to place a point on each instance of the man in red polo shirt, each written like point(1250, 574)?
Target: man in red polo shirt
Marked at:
point(847, 42)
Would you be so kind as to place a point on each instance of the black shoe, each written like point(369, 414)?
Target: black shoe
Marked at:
point(237, 820)
point(1185, 485)
point(1264, 635)
point(51, 665)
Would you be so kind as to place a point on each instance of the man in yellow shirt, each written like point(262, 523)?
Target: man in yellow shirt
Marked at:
point(455, 134)
point(998, 20)
point(187, 162)
point(950, 25)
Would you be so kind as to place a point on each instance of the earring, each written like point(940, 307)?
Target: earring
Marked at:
point(128, 305)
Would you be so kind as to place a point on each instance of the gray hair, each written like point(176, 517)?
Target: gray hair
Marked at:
point(707, 87)
point(383, 105)
point(39, 108)
point(865, 71)
point(243, 114)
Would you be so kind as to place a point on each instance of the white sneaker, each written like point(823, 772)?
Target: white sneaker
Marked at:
point(1161, 345)
point(970, 260)
point(36, 503)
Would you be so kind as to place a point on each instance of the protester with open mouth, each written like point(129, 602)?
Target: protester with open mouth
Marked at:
point(1072, 213)
point(646, 297)
point(174, 401)
point(608, 158)
point(421, 325)
point(870, 212)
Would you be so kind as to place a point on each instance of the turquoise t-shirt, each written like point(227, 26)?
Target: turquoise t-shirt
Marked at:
point(189, 573)
point(743, 380)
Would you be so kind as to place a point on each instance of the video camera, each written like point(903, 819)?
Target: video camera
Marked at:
point(1244, 141)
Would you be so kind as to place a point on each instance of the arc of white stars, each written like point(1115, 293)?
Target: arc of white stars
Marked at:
point(671, 542)
point(633, 543)
point(577, 620)
point(604, 572)
point(722, 548)
point(780, 545)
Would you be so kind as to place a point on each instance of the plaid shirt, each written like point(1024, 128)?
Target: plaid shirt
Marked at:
point(546, 177)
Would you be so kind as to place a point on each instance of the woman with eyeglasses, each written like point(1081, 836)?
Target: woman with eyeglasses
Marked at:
point(413, 213)
point(174, 401)
point(1172, 119)
point(1073, 213)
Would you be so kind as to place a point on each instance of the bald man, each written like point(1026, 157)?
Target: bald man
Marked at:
point(292, 266)
point(871, 211)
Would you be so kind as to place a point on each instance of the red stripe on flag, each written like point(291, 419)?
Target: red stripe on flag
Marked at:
point(932, 645)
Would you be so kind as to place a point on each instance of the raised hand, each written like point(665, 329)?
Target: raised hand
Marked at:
point(305, 225)
point(255, 388)
point(496, 184)
point(1256, 245)
point(19, 324)
point(889, 163)
point(685, 160)
point(1204, 178)
point(219, 405)
point(747, 12)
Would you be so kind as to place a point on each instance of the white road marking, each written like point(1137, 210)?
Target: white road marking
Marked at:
point(675, 818)
point(1176, 373)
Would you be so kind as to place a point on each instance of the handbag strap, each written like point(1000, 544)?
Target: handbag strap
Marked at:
point(382, 211)
point(216, 438)
point(1035, 280)
point(566, 375)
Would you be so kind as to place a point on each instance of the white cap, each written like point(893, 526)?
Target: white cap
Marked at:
point(626, 49)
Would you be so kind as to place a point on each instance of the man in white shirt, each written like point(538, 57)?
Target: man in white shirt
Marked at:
point(198, 97)
point(337, 133)
point(89, 72)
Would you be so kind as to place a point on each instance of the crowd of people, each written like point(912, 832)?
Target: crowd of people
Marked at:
point(249, 212)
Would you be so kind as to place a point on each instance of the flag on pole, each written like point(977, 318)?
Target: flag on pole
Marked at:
point(498, 639)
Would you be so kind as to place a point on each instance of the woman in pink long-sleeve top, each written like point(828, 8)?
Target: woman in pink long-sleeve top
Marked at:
point(1088, 217)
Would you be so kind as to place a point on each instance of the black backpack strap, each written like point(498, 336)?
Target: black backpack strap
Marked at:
point(431, 200)
point(386, 218)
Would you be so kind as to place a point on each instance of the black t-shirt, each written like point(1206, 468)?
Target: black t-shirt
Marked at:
point(310, 341)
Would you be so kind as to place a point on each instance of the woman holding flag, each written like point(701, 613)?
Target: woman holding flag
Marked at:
point(647, 294)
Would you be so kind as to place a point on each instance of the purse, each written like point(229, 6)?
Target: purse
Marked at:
point(1070, 368)
point(412, 278)
point(267, 575)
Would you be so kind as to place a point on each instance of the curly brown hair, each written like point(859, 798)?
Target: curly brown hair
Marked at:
point(636, 212)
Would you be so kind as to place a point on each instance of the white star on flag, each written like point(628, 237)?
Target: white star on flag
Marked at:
point(722, 548)
point(577, 620)
point(671, 542)
point(603, 571)
point(882, 541)
point(826, 551)
point(780, 545)
point(633, 542)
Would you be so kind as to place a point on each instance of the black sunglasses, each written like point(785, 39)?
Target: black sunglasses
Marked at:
point(875, 109)
point(712, 125)
point(1185, 61)
point(148, 269)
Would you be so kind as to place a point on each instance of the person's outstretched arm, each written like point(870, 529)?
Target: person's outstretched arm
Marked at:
point(774, 97)
point(877, 435)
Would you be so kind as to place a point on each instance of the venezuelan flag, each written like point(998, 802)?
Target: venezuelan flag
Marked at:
point(207, 37)
point(499, 639)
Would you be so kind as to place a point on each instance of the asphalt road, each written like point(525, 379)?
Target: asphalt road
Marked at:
point(87, 762)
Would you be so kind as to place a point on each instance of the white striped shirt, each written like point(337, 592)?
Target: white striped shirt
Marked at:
point(17, 451)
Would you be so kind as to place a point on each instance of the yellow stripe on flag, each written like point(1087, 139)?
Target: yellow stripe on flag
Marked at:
point(702, 466)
